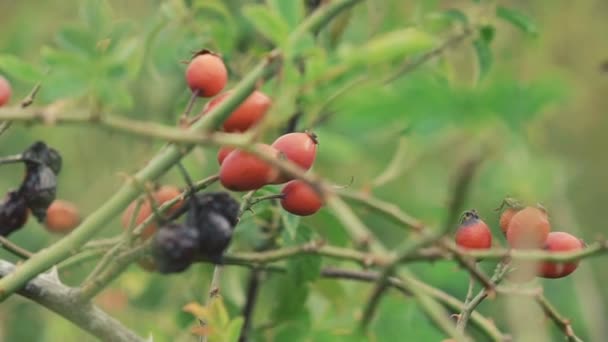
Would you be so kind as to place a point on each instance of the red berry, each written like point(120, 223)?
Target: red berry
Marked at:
point(223, 153)
point(505, 219)
point(300, 198)
point(162, 195)
point(300, 148)
point(528, 228)
point(207, 74)
point(242, 171)
point(560, 242)
point(247, 114)
point(61, 217)
point(473, 232)
point(5, 91)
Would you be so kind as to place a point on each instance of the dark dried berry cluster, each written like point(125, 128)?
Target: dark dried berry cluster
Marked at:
point(205, 234)
point(37, 191)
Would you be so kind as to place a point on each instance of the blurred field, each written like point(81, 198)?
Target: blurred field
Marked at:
point(542, 108)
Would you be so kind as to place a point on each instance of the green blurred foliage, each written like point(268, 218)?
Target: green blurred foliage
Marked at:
point(529, 86)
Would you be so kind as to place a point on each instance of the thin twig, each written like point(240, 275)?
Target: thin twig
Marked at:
point(417, 62)
point(253, 286)
point(26, 102)
point(499, 273)
point(467, 300)
point(15, 249)
point(560, 321)
point(214, 292)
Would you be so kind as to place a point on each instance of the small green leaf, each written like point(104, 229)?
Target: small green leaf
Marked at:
point(76, 40)
point(390, 46)
point(19, 69)
point(484, 57)
point(303, 268)
point(517, 19)
point(291, 11)
point(96, 14)
point(233, 330)
point(456, 15)
point(487, 33)
point(268, 23)
point(290, 223)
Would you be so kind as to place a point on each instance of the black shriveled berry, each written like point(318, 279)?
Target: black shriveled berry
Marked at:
point(13, 213)
point(214, 214)
point(38, 189)
point(175, 247)
point(218, 202)
point(40, 153)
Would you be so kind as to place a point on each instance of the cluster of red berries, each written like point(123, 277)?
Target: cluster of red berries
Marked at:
point(240, 170)
point(525, 228)
point(37, 193)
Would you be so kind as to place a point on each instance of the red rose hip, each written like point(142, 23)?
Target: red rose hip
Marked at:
point(247, 114)
point(223, 153)
point(5, 91)
point(61, 217)
point(300, 148)
point(560, 242)
point(528, 228)
point(473, 232)
point(300, 198)
point(242, 171)
point(207, 74)
point(162, 195)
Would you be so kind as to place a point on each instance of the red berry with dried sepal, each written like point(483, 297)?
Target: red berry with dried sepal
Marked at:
point(206, 74)
point(473, 232)
point(510, 207)
point(560, 242)
point(528, 228)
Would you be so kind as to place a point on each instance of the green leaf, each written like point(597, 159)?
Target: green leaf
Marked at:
point(96, 14)
point(17, 68)
point(233, 330)
point(291, 11)
point(390, 46)
point(486, 33)
point(484, 57)
point(456, 15)
point(76, 40)
point(268, 23)
point(290, 223)
point(517, 19)
point(302, 268)
point(293, 297)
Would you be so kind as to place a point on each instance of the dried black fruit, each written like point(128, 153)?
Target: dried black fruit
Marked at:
point(214, 214)
point(175, 247)
point(40, 153)
point(39, 189)
point(13, 213)
point(219, 202)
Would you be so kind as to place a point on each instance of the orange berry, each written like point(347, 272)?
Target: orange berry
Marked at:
point(207, 74)
point(505, 219)
point(162, 195)
point(247, 114)
point(528, 228)
point(62, 217)
point(301, 199)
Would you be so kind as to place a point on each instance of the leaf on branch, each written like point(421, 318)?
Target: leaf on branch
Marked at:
point(196, 310)
point(517, 19)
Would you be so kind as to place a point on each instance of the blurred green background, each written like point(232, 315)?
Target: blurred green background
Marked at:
point(541, 108)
